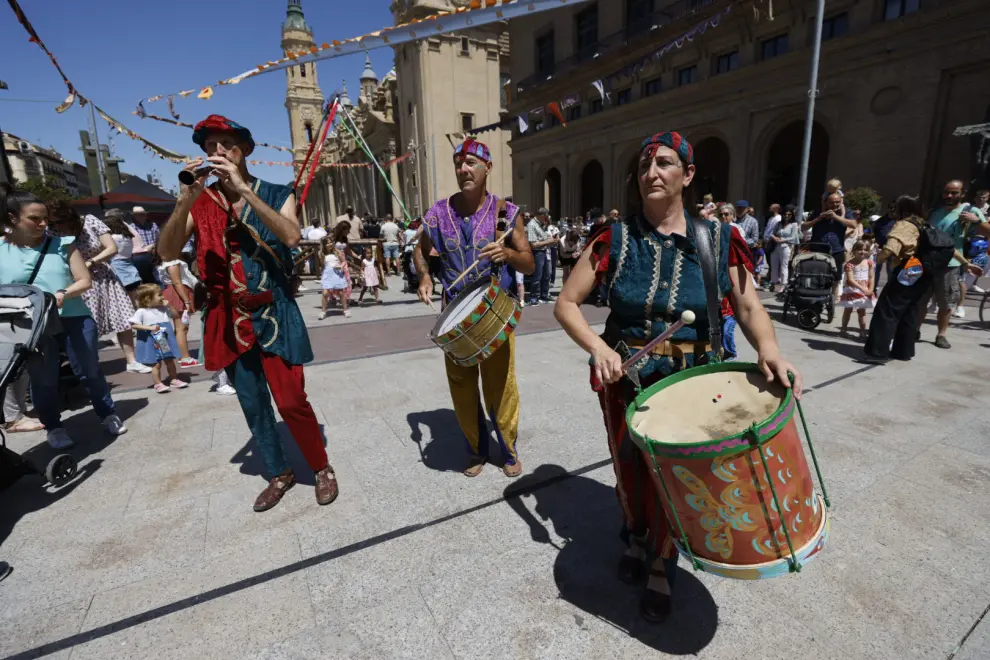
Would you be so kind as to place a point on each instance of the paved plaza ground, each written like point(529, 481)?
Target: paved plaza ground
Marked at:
point(154, 551)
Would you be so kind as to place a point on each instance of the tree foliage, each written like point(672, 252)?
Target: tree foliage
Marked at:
point(47, 193)
point(865, 200)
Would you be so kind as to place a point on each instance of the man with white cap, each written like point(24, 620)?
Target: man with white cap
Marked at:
point(143, 257)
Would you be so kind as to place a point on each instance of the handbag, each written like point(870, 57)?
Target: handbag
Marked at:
point(709, 274)
point(53, 325)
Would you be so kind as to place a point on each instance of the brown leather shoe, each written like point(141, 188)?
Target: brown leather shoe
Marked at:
point(273, 492)
point(326, 486)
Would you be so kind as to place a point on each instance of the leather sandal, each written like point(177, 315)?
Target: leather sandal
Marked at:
point(326, 486)
point(475, 468)
point(655, 606)
point(512, 470)
point(273, 492)
point(632, 568)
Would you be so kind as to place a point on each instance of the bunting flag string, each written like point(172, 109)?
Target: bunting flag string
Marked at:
point(75, 95)
point(283, 163)
point(143, 114)
point(601, 85)
point(476, 14)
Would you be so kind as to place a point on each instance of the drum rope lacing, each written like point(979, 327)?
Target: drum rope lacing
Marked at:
point(793, 563)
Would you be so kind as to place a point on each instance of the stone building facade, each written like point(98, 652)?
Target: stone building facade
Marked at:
point(29, 161)
point(364, 188)
point(304, 104)
point(896, 78)
point(441, 85)
point(448, 83)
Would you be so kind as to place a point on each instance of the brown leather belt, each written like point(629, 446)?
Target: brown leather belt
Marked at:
point(673, 349)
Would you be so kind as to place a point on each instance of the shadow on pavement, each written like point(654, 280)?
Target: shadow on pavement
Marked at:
point(447, 450)
point(28, 495)
point(582, 511)
point(252, 465)
point(851, 351)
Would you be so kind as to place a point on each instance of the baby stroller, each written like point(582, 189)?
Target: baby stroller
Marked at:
point(27, 315)
point(809, 290)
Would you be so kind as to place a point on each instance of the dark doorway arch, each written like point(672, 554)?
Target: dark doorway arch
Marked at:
point(592, 186)
point(551, 192)
point(711, 162)
point(634, 203)
point(784, 166)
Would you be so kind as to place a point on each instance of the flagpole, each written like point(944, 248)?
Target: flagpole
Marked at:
point(809, 120)
point(356, 134)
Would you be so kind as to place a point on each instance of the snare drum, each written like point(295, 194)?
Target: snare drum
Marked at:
point(731, 470)
point(476, 322)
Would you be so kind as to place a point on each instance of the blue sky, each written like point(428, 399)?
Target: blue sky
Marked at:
point(117, 52)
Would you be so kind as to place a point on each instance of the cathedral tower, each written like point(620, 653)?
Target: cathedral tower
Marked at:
point(303, 97)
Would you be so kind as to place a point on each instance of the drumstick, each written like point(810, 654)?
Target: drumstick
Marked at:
point(476, 262)
point(687, 318)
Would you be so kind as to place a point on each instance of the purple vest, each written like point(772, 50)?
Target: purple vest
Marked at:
point(458, 241)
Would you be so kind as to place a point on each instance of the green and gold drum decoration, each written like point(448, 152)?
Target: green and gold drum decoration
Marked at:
point(728, 459)
point(476, 322)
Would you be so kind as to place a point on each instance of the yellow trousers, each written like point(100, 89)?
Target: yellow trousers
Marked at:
point(498, 382)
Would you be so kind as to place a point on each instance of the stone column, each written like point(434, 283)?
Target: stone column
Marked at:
point(393, 179)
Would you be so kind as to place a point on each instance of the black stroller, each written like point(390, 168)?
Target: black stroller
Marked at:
point(27, 315)
point(809, 290)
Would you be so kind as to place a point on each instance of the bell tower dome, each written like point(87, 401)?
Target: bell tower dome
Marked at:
point(303, 97)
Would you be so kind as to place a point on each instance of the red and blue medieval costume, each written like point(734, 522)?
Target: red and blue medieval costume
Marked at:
point(253, 328)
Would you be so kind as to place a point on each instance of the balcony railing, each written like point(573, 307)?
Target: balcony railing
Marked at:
point(633, 33)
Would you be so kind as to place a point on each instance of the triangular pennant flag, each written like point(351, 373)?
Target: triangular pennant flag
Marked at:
point(67, 103)
point(523, 124)
point(600, 86)
point(554, 109)
point(205, 94)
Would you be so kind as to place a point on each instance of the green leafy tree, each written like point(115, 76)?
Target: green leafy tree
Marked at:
point(44, 191)
point(865, 200)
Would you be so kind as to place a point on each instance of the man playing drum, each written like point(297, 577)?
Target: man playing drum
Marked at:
point(651, 269)
point(463, 229)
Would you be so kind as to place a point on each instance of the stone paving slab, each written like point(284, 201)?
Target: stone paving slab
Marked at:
point(154, 550)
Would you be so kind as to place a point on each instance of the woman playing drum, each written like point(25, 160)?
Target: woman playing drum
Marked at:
point(651, 272)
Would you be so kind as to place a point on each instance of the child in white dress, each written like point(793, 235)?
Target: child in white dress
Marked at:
point(857, 290)
point(370, 276)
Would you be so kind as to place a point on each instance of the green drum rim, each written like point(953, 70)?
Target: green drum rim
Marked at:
point(762, 431)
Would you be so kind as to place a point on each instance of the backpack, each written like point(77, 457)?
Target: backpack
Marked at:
point(935, 248)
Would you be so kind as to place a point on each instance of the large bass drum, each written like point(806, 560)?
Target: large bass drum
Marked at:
point(731, 469)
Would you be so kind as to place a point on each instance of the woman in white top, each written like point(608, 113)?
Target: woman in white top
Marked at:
point(179, 284)
point(127, 241)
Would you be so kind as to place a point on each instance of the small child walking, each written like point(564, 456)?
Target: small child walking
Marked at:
point(335, 280)
point(857, 290)
point(156, 336)
point(370, 276)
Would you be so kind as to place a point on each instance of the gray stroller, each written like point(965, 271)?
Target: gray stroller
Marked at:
point(27, 315)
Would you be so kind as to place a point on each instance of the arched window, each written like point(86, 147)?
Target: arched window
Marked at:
point(309, 131)
point(302, 70)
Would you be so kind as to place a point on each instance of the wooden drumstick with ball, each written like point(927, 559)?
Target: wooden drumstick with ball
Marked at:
point(687, 318)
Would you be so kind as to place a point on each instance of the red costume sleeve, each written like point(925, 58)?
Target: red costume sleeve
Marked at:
point(599, 247)
point(738, 254)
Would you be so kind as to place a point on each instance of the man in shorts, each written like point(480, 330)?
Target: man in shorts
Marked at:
point(390, 245)
point(955, 218)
